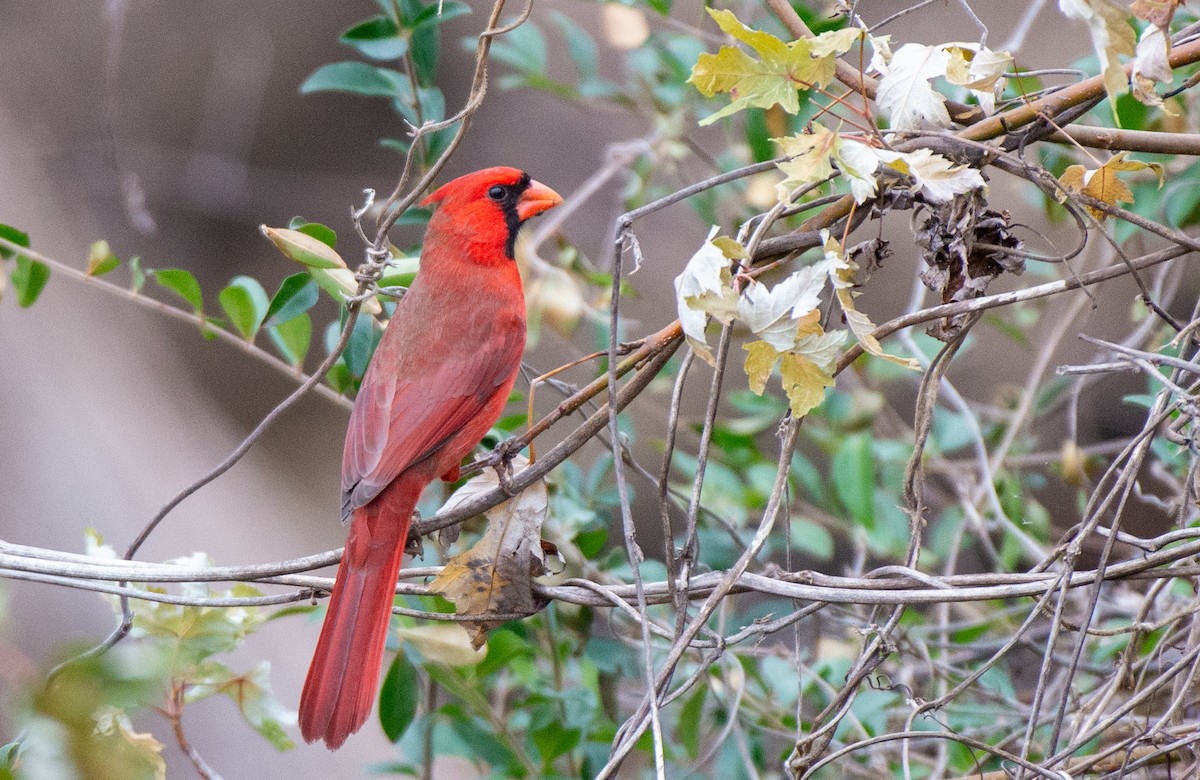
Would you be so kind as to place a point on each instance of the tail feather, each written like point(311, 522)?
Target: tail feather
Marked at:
point(339, 692)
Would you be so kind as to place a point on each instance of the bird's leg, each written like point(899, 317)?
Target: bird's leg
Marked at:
point(501, 460)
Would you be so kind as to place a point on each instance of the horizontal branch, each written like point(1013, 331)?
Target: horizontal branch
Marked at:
point(1117, 139)
point(84, 572)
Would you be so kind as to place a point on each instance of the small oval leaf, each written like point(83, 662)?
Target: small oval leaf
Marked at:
point(377, 38)
point(292, 338)
point(398, 697)
point(245, 303)
point(303, 248)
point(358, 78)
point(296, 295)
point(322, 233)
point(11, 234)
point(183, 284)
point(101, 259)
point(29, 279)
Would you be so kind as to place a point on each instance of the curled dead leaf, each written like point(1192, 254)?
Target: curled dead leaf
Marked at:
point(495, 575)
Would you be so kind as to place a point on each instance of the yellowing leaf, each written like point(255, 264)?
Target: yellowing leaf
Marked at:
point(730, 248)
point(804, 382)
point(1112, 35)
point(980, 70)
point(444, 643)
point(810, 155)
point(131, 750)
point(101, 259)
point(495, 575)
point(303, 248)
point(761, 358)
point(1157, 12)
point(705, 287)
point(881, 52)
point(340, 284)
point(776, 79)
point(835, 42)
point(1103, 183)
point(906, 95)
point(843, 277)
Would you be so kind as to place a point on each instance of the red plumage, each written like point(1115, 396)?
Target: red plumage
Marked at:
point(438, 381)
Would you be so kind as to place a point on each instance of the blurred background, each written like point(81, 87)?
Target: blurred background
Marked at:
point(173, 131)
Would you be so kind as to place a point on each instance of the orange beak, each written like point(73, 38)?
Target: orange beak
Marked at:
point(536, 198)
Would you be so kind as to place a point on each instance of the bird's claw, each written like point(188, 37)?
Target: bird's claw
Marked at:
point(501, 460)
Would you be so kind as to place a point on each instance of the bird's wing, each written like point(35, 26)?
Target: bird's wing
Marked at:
point(398, 421)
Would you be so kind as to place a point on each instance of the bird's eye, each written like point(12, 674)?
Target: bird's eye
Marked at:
point(496, 192)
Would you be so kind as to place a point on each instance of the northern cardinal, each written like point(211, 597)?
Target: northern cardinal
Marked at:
point(438, 381)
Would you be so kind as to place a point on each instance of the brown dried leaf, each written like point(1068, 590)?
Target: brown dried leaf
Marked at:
point(495, 575)
point(960, 270)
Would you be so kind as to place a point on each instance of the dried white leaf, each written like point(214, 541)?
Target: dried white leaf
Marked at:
point(1151, 65)
point(980, 70)
point(937, 177)
point(772, 313)
point(906, 95)
point(1112, 35)
point(705, 287)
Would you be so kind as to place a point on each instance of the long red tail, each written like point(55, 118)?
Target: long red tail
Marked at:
point(339, 691)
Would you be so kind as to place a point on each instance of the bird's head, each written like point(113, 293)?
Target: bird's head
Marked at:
point(485, 209)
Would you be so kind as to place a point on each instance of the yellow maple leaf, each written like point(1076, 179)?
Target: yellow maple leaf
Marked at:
point(810, 155)
point(806, 369)
point(760, 361)
point(776, 78)
point(804, 382)
point(1103, 183)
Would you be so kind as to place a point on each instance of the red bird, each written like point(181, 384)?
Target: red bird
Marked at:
point(439, 380)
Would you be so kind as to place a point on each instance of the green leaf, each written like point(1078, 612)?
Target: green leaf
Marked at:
point(580, 46)
point(437, 13)
point(358, 349)
point(502, 647)
point(663, 7)
point(401, 272)
point(524, 49)
point(553, 740)
point(296, 295)
point(252, 693)
point(811, 539)
point(10, 233)
point(183, 284)
point(137, 277)
point(777, 78)
point(303, 248)
point(29, 279)
point(377, 38)
point(853, 472)
point(292, 338)
point(101, 260)
point(425, 47)
point(689, 721)
point(398, 697)
point(325, 235)
point(358, 78)
point(245, 303)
